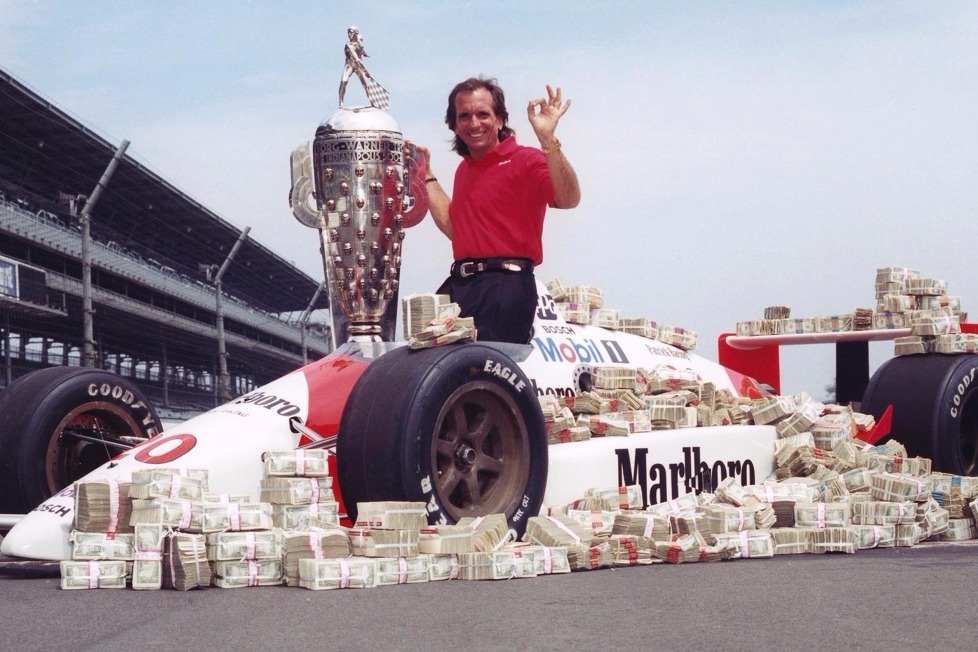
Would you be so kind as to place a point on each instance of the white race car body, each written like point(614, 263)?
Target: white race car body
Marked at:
point(228, 441)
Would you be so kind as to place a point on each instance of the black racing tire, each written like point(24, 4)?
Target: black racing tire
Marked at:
point(41, 413)
point(935, 407)
point(458, 427)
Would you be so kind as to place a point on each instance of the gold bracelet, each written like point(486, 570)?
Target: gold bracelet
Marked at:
point(430, 179)
point(553, 148)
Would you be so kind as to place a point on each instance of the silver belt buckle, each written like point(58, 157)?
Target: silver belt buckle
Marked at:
point(463, 269)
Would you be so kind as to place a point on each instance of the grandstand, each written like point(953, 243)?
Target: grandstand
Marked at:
point(154, 253)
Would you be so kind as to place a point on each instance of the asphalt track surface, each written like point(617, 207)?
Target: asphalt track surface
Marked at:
point(896, 599)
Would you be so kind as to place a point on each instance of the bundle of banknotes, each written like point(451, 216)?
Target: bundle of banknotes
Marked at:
point(102, 506)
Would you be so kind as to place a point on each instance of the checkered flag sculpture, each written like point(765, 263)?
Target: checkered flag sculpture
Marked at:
point(377, 95)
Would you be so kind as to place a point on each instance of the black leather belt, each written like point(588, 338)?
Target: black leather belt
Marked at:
point(472, 266)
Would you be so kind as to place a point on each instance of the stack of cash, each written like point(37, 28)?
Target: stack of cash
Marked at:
point(898, 303)
point(681, 338)
point(821, 515)
point(101, 545)
point(223, 546)
point(588, 403)
point(444, 330)
point(605, 318)
point(402, 570)
point(939, 302)
point(585, 295)
point(888, 320)
point(832, 539)
point(169, 483)
point(597, 522)
point(556, 530)
point(721, 517)
point(185, 564)
point(954, 493)
point(731, 491)
point(617, 498)
point(392, 515)
point(447, 539)
point(384, 543)
point(667, 379)
point(575, 313)
point(772, 410)
point(777, 312)
point(862, 319)
point(685, 548)
point(567, 435)
point(874, 536)
point(309, 463)
point(934, 322)
point(878, 512)
point(186, 515)
point(957, 343)
point(627, 550)
point(102, 506)
point(557, 289)
point(898, 275)
point(611, 377)
point(491, 530)
point(590, 557)
point(688, 523)
point(750, 544)
point(899, 487)
point(495, 565)
point(147, 567)
point(545, 561)
point(418, 310)
point(296, 491)
point(909, 535)
point(667, 417)
point(959, 529)
point(288, 517)
point(562, 420)
point(324, 574)
point(237, 517)
point(442, 567)
point(249, 572)
point(318, 541)
point(93, 574)
point(685, 504)
point(790, 540)
point(641, 326)
point(603, 425)
point(910, 345)
point(826, 434)
point(649, 526)
point(798, 325)
point(932, 518)
point(928, 286)
point(772, 492)
point(834, 323)
point(800, 421)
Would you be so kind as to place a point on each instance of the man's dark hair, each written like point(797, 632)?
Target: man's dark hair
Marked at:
point(471, 85)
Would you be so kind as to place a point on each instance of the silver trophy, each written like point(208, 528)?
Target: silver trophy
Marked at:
point(367, 189)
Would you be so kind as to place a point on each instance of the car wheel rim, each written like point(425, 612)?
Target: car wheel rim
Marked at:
point(71, 453)
point(480, 453)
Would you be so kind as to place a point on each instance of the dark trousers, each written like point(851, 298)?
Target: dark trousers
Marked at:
point(502, 303)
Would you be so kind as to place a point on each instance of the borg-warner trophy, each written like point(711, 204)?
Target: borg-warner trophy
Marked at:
point(367, 189)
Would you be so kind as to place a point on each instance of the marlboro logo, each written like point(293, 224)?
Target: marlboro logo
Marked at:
point(662, 482)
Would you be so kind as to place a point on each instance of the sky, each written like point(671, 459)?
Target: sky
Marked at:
point(731, 156)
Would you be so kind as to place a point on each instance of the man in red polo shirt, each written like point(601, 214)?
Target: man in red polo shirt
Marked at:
point(501, 194)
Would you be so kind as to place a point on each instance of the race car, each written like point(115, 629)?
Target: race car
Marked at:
point(458, 427)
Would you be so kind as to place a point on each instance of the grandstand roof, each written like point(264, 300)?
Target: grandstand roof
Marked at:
point(47, 152)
